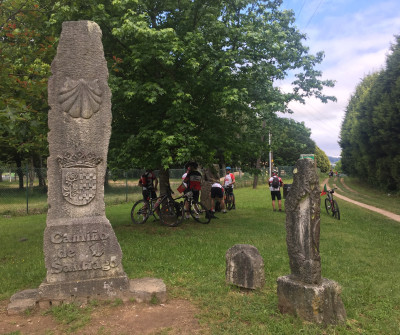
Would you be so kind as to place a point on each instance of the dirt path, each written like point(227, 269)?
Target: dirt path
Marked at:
point(176, 317)
point(371, 208)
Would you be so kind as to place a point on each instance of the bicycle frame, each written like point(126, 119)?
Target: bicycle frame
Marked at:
point(197, 210)
point(164, 206)
point(331, 206)
point(229, 197)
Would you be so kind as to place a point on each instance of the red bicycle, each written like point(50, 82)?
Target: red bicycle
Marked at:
point(331, 206)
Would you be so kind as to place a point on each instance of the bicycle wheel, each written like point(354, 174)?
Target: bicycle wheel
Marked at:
point(200, 213)
point(229, 202)
point(328, 206)
point(171, 212)
point(139, 212)
point(335, 209)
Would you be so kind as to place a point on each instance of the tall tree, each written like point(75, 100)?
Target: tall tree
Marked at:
point(194, 74)
point(371, 128)
point(188, 77)
point(26, 52)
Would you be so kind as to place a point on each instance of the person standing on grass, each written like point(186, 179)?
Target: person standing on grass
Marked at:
point(148, 182)
point(229, 181)
point(193, 182)
point(275, 184)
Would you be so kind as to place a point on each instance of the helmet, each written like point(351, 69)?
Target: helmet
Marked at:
point(228, 168)
point(191, 164)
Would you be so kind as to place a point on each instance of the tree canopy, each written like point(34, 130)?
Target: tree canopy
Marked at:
point(25, 55)
point(370, 133)
point(190, 79)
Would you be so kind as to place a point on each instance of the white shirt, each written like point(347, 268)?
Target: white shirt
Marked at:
point(228, 180)
point(183, 178)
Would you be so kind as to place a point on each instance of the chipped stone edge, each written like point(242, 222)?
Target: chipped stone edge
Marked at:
point(141, 290)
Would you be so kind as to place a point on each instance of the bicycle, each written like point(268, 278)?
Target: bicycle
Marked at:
point(229, 197)
point(169, 210)
point(197, 210)
point(331, 206)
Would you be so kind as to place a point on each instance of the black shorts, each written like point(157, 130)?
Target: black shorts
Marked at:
point(228, 190)
point(276, 194)
point(196, 194)
point(216, 192)
point(149, 194)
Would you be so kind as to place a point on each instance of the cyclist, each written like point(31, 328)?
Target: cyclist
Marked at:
point(229, 181)
point(275, 184)
point(217, 192)
point(148, 182)
point(193, 182)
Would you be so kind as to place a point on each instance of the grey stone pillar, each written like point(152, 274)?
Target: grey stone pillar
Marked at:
point(304, 292)
point(82, 255)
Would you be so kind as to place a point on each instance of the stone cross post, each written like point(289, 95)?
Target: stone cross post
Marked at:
point(304, 292)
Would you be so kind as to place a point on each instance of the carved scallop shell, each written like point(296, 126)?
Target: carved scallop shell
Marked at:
point(80, 98)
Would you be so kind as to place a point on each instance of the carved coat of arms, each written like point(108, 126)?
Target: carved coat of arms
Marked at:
point(79, 177)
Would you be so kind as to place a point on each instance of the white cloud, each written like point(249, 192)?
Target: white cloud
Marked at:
point(355, 37)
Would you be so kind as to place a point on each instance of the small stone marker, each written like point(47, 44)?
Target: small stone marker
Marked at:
point(304, 292)
point(245, 267)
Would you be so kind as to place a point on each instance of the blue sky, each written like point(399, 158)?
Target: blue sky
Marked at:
point(355, 36)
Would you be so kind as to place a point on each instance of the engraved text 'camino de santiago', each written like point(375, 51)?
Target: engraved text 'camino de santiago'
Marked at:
point(79, 177)
point(80, 98)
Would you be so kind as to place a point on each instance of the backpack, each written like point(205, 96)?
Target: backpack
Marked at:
point(146, 181)
point(275, 182)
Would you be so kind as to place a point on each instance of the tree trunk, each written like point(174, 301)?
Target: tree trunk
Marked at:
point(1, 176)
point(38, 165)
point(31, 173)
point(19, 171)
point(163, 179)
point(258, 167)
point(210, 176)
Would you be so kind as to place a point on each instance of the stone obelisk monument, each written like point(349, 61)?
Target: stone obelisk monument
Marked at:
point(304, 292)
point(82, 254)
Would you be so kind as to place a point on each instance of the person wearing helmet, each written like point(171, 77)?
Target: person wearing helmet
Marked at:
point(275, 184)
point(229, 181)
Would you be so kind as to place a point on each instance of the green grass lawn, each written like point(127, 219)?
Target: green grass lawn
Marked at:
point(360, 252)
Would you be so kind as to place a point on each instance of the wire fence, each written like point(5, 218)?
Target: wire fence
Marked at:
point(23, 191)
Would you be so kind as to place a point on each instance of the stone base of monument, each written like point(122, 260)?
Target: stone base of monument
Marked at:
point(314, 303)
point(100, 287)
point(148, 290)
point(143, 290)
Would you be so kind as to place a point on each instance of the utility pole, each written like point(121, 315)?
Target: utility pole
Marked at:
point(270, 154)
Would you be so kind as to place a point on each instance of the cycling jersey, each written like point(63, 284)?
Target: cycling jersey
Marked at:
point(193, 180)
point(147, 180)
point(229, 179)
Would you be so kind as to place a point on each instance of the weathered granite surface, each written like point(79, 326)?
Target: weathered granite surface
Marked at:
point(82, 254)
point(314, 303)
point(304, 292)
point(244, 267)
point(302, 208)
